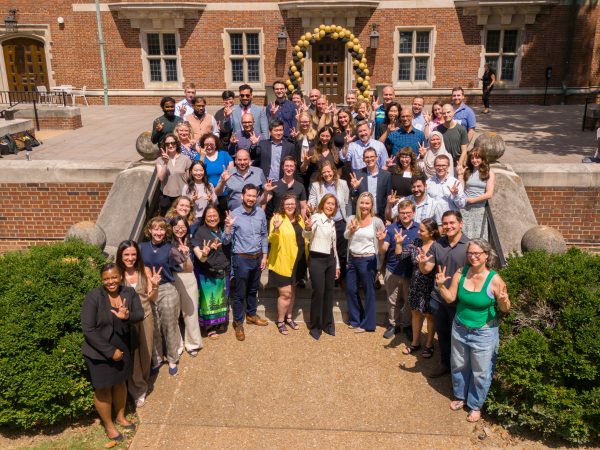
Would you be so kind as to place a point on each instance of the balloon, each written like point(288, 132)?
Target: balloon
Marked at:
point(296, 74)
point(364, 61)
point(343, 33)
point(316, 31)
point(362, 65)
point(367, 78)
point(360, 80)
point(350, 44)
point(339, 29)
point(322, 27)
point(297, 47)
point(299, 55)
point(302, 60)
point(366, 71)
point(307, 36)
point(360, 97)
point(355, 62)
point(335, 35)
point(327, 29)
point(322, 33)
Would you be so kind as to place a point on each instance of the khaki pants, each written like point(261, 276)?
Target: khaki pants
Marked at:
point(141, 356)
point(187, 286)
point(166, 311)
point(396, 288)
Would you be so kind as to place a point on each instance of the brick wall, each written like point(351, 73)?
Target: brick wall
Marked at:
point(39, 213)
point(575, 212)
point(61, 123)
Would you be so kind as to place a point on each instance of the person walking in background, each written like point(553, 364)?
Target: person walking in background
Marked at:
point(479, 293)
point(488, 80)
point(287, 258)
point(323, 265)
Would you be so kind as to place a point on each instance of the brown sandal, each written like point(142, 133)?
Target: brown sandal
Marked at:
point(410, 349)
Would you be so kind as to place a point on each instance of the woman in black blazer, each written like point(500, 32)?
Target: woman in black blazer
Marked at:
point(106, 314)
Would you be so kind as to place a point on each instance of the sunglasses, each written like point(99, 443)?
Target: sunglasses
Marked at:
point(245, 95)
point(171, 144)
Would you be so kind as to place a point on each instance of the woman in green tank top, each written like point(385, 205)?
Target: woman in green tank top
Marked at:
point(479, 292)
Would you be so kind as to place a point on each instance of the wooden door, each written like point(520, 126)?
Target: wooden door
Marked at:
point(25, 62)
point(328, 62)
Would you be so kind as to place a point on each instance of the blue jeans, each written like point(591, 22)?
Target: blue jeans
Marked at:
point(246, 274)
point(443, 314)
point(363, 269)
point(474, 352)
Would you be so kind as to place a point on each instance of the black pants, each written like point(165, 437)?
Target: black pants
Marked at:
point(341, 246)
point(486, 97)
point(322, 276)
point(444, 316)
point(165, 203)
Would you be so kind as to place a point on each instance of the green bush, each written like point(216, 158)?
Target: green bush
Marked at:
point(548, 372)
point(42, 372)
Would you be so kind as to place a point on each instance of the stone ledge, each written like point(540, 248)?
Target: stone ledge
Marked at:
point(56, 171)
point(559, 175)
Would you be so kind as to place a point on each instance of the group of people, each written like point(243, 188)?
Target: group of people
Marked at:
point(359, 196)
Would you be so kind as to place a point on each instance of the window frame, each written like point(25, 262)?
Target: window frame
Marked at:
point(256, 85)
point(500, 54)
point(146, 57)
point(428, 82)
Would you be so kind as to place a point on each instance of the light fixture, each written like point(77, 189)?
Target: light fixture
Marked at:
point(61, 20)
point(10, 21)
point(282, 39)
point(374, 37)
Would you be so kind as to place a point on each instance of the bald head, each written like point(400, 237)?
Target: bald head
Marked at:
point(388, 95)
point(406, 117)
point(447, 113)
point(247, 122)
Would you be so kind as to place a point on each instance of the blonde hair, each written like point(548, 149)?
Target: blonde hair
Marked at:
point(358, 214)
point(179, 126)
point(311, 133)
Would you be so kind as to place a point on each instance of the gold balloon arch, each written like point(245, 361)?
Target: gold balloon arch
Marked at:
point(359, 60)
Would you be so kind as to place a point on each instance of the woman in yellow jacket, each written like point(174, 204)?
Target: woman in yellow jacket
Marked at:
point(287, 258)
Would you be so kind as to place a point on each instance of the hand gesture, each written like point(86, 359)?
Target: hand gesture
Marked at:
point(303, 106)
point(182, 247)
point(205, 249)
point(274, 108)
point(155, 277)
point(422, 257)
point(123, 312)
point(158, 125)
point(308, 224)
point(332, 108)
point(454, 189)
point(225, 175)
point(254, 138)
point(202, 152)
point(164, 155)
point(227, 110)
point(422, 150)
point(215, 244)
point(276, 221)
point(399, 237)
point(310, 208)
point(392, 198)
point(354, 181)
point(269, 186)
point(440, 277)
point(375, 103)
point(182, 111)
point(117, 355)
point(380, 234)
point(353, 226)
point(294, 133)
point(460, 170)
point(233, 139)
point(503, 295)
point(391, 127)
point(229, 220)
point(427, 117)
point(391, 161)
point(348, 137)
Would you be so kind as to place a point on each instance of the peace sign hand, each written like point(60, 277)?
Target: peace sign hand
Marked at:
point(158, 125)
point(355, 182)
point(427, 117)
point(460, 170)
point(229, 220)
point(380, 234)
point(225, 175)
point(400, 237)
point(392, 198)
point(348, 137)
point(274, 108)
point(254, 138)
point(422, 257)
point(294, 133)
point(276, 221)
point(156, 277)
point(215, 244)
point(269, 185)
point(440, 277)
point(454, 189)
point(123, 312)
point(164, 155)
point(391, 161)
point(391, 127)
point(353, 226)
point(503, 295)
point(422, 150)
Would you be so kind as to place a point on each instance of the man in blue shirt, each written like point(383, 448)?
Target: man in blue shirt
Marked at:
point(399, 270)
point(353, 150)
point(234, 180)
point(407, 136)
point(249, 246)
point(462, 113)
point(282, 109)
point(388, 97)
point(417, 109)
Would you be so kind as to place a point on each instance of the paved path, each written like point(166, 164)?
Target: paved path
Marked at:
point(274, 391)
point(550, 134)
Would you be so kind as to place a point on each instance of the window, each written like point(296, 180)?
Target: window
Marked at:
point(244, 56)
point(501, 53)
point(414, 49)
point(162, 58)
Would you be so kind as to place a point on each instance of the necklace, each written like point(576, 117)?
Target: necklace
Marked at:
point(154, 250)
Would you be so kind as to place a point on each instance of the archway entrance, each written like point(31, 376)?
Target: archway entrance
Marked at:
point(25, 62)
point(328, 68)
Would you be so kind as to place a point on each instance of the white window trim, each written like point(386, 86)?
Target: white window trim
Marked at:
point(228, 74)
point(396, 66)
point(516, 81)
point(146, 66)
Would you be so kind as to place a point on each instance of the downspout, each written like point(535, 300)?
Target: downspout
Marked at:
point(102, 59)
point(569, 49)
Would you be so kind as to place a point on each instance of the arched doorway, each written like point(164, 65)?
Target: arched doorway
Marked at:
point(328, 68)
point(25, 62)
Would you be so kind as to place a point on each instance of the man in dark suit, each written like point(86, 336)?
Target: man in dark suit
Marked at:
point(269, 154)
point(372, 179)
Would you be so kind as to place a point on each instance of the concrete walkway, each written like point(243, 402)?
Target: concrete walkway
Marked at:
point(549, 134)
point(275, 391)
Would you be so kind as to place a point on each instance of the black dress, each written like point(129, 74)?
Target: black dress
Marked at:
point(106, 372)
point(299, 269)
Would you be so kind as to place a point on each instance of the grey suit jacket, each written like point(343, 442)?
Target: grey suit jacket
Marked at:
point(261, 125)
point(384, 186)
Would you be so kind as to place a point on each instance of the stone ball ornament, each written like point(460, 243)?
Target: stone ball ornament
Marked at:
point(492, 144)
point(145, 148)
point(88, 232)
point(336, 32)
point(542, 237)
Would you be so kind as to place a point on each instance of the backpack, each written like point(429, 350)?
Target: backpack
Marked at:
point(8, 145)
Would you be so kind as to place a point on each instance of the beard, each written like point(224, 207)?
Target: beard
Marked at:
point(170, 114)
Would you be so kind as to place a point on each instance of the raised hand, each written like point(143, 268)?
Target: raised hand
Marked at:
point(164, 155)
point(422, 257)
point(254, 138)
point(392, 198)
point(158, 125)
point(182, 247)
point(233, 139)
point(215, 244)
point(276, 221)
point(391, 127)
point(229, 220)
point(269, 186)
point(274, 108)
point(123, 312)
point(391, 161)
point(227, 110)
point(375, 103)
point(354, 181)
point(308, 224)
point(422, 150)
point(460, 170)
point(503, 295)
point(427, 117)
point(400, 237)
point(380, 234)
point(182, 112)
point(454, 188)
point(155, 277)
point(440, 277)
point(348, 137)
point(205, 249)
point(294, 133)
point(225, 175)
point(353, 226)
point(310, 208)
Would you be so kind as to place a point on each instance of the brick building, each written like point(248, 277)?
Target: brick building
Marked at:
point(424, 46)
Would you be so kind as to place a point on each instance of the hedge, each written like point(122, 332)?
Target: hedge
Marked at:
point(43, 378)
point(548, 372)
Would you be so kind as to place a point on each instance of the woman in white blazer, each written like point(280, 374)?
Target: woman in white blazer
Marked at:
point(323, 265)
point(328, 182)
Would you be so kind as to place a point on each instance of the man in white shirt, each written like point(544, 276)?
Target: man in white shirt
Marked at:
point(445, 188)
point(426, 206)
point(185, 107)
point(353, 150)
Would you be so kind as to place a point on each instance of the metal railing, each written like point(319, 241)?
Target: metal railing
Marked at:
point(494, 238)
point(593, 112)
point(14, 98)
point(147, 209)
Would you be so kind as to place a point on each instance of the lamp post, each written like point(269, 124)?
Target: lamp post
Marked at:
point(10, 21)
point(374, 37)
point(282, 39)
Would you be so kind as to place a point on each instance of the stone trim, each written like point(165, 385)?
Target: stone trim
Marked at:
point(497, 12)
point(157, 16)
point(316, 12)
point(558, 175)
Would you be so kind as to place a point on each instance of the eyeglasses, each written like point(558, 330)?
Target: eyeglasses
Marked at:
point(368, 158)
point(209, 145)
point(171, 144)
point(245, 95)
point(247, 122)
point(475, 255)
point(179, 227)
point(440, 166)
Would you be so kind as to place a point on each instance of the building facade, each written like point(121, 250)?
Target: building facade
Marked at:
point(423, 47)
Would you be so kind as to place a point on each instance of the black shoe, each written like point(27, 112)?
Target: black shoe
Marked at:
point(315, 334)
point(389, 332)
point(440, 372)
point(330, 331)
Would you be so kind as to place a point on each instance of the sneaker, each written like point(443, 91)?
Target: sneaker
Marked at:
point(389, 332)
